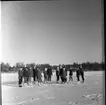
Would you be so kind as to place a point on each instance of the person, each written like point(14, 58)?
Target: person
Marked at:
point(49, 73)
point(20, 76)
point(61, 73)
point(39, 76)
point(64, 75)
point(30, 72)
point(70, 74)
point(34, 74)
point(78, 74)
point(26, 75)
point(81, 73)
point(57, 74)
point(45, 75)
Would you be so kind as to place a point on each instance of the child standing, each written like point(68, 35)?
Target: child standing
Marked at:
point(70, 74)
point(39, 76)
point(57, 74)
point(45, 75)
point(20, 76)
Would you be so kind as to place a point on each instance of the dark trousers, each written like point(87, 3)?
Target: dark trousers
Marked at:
point(20, 80)
point(58, 78)
point(49, 77)
point(78, 79)
point(34, 78)
point(82, 76)
point(63, 79)
point(45, 78)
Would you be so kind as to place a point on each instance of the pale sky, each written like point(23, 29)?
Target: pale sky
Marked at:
point(54, 32)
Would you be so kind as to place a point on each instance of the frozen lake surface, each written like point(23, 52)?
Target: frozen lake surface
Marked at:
point(91, 92)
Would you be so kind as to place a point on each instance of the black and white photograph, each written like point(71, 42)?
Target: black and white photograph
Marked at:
point(52, 52)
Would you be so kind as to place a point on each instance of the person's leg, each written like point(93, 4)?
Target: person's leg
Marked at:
point(19, 80)
point(72, 78)
point(38, 81)
point(69, 78)
point(34, 79)
point(25, 80)
point(41, 79)
point(82, 76)
point(57, 78)
point(50, 77)
point(62, 79)
point(46, 79)
point(66, 79)
point(28, 80)
point(78, 78)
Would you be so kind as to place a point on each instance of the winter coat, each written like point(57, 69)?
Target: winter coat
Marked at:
point(25, 72)
point(45, 73)
point(64, 73)
point(49, 72)
point(35, 72)
point(39, 75)
point(30, 72)
point(61, 72)
point(20, 73)
point(57, 72)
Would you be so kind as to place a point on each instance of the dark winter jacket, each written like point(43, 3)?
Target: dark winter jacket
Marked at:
point(57, 72)
point(49, 71)
point(25, 72)
point(20, 73)
point(30, 71)
point(39, 75)
point(61, 72)
point(35, 72)
point(64, 73)
point(45, 74)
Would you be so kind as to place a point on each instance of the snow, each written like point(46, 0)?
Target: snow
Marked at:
point(73, 93)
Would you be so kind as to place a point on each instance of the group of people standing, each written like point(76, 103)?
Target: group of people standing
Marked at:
point(26, 74)
point(61, 73)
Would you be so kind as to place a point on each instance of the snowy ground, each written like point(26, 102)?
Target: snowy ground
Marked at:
point(91, 92)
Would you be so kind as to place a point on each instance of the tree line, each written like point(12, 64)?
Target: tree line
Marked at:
point(88, 66)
